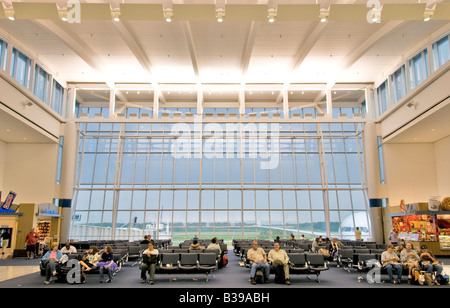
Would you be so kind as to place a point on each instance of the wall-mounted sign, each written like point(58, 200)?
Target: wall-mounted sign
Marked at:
point(9, 200)
point(47, 208)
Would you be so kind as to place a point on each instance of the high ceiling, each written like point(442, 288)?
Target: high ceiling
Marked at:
point(242, 49)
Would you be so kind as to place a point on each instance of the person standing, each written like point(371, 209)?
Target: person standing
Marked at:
point(393, 237)
point(6, 238)
point(31, 240)
point(357, 234)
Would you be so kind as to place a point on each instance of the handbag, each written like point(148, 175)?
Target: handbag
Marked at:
point(428, 279)
point(418, 277)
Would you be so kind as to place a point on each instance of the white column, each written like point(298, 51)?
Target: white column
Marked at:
point(375, 190)
point(68, 175)
point(329, 104)
point(70, 103)
point(112, 103)
point(155, 103)
point(285, 104)
point(242, 101)
point(200, 101)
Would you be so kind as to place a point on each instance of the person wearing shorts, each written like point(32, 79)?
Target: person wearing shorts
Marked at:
point(30, 243)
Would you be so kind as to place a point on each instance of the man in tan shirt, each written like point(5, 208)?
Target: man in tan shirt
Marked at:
point(278, 257)
point(259, 260)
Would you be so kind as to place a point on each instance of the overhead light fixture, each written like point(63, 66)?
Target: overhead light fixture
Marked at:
point(375, 17)
point(323, 16)
point(9, 12)
point(115, 14)
point(62, 13)
point(168, 14)
point(220, 15)
point(271, 15)
point(427, 15)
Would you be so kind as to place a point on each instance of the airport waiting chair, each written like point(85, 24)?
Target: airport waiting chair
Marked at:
point(168, 262)
point(316, 264)
point(188, 261)
point(345, 257)
point(366, 261)
point(207, 263)
point(297, 263)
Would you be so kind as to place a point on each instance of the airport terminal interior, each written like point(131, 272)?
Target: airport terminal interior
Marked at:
point(231, 121)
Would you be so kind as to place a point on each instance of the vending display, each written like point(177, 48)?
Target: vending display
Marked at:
point(43, 228)
point(423, 227)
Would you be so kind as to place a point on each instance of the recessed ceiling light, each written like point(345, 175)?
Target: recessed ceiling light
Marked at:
point(168, 13)
point(24, 138)
point(432, 129)
point(8, 130)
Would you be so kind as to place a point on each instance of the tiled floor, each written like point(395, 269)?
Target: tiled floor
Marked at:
point(10, 272)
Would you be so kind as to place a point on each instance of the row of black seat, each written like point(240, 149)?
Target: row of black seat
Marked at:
point(303, 264)
point(187, 262)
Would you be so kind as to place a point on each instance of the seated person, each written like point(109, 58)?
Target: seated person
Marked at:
point(390, 260)
point(429, 263)
point(410, 259)
point(145, 240)
point(149, 260)
point(68, 249)
point(49, 262)
point(90, 259)
point(279, 257)
point(334, 246)
point(107, 263)
point(259, 260)
point(214, 245)
point(196, 246)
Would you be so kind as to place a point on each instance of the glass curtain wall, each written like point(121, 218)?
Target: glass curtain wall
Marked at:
point(229, 180)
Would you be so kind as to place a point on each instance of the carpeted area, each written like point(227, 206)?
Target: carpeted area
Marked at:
point(232, 276)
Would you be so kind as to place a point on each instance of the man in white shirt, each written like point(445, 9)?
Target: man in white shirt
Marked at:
point(279, 257)
point(67, 249)
point(149, 260)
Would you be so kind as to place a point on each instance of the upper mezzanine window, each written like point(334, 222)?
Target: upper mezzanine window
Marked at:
point(20, 68)
point(398, 84)
point(41, 84)
point(441, 52)
point(418, 69)
point(411, 73)
point(3, 53)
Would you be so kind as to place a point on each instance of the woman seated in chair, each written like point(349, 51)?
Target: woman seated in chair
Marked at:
point(107, 263)
point(89, 261)
point(410, 259)
point(49, 261)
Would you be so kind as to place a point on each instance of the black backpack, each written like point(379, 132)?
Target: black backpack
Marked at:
point(279, 274)
point(259, 275)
